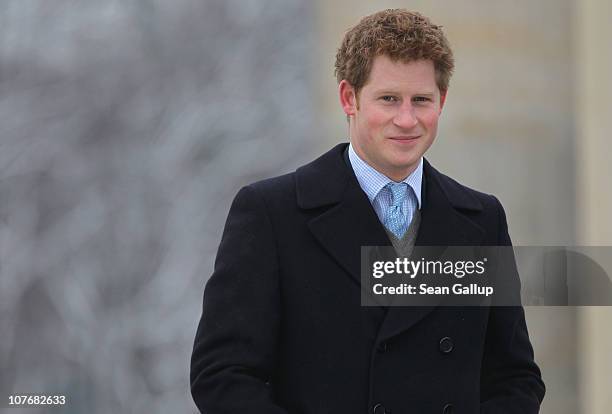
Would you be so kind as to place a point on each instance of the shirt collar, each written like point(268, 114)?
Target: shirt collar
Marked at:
point(372, 181)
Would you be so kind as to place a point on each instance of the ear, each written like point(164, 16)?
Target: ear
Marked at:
point(348, 98)
point(442, 100)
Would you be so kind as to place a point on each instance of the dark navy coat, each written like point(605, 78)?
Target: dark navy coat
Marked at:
point(283, 329)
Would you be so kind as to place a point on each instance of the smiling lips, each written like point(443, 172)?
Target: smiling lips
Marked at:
point(405, 138)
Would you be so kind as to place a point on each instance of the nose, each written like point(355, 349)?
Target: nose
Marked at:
point(405, 117)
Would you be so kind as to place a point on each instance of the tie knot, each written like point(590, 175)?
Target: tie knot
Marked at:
point(399, 192)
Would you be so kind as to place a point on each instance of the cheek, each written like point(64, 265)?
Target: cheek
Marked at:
point(376, 120)
point(430, 120)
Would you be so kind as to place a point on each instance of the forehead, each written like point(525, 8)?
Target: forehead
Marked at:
point(387, 73)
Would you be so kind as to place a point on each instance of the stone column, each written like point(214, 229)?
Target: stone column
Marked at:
point(594, 200)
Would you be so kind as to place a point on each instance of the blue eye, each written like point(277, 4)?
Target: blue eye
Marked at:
point(389, 98)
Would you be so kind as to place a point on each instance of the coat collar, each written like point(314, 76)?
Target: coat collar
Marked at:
point(344, 220)
point(323, 182)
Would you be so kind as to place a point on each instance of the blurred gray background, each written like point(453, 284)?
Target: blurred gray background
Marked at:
point(128, 126)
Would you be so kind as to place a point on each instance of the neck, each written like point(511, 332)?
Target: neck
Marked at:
point(395, 174)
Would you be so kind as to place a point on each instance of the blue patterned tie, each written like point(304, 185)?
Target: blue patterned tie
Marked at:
point(396, 219)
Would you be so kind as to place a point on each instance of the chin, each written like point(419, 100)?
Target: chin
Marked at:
point(405, 163)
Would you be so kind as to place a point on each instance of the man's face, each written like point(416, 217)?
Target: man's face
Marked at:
point(394, 119)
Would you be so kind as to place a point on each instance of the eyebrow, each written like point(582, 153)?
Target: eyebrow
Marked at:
point(391, 92)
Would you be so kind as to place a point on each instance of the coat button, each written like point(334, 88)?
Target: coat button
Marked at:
point(379, 409)
point(446, 345)
point(383, 347)
point(448, 409)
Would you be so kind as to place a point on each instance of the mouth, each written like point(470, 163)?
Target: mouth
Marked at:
point(405, 138)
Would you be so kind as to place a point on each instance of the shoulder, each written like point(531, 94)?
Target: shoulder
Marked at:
point(271, 193)
point(274, 185)
point(460, 195)
point(482, 209)
point(320, 182)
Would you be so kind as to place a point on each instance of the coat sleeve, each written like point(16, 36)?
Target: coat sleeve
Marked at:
point(235, 345)
point(511, 381)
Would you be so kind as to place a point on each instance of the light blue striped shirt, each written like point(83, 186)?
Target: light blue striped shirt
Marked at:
point(373, 182)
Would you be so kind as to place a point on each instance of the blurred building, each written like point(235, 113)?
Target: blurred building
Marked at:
point(527, 118)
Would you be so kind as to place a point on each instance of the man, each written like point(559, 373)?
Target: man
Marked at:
point(283, 329)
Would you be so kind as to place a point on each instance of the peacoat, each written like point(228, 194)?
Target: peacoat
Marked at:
point(283, 330)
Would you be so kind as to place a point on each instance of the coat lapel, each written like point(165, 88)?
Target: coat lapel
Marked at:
point(441, 225)
point(347, 220)
point(344, 221)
